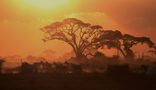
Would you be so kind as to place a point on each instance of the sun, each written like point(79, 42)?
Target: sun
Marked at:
point(45, 4)
point(44, 7)
point(41, 5)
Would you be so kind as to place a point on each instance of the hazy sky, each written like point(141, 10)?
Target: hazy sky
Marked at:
point(20, 20)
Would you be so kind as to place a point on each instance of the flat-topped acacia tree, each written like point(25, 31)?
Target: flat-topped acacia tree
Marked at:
point(78, 34)
point(129, 41)
point(122, 42)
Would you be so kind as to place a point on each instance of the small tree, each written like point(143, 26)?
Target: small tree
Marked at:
point(78, 34)
point(1, 64)
point(111, 39)
point(129, 41)
point(122, 42)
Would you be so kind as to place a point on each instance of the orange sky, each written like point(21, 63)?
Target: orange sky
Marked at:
point(20, 21)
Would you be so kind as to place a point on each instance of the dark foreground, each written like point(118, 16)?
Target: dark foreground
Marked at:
point(77, 82)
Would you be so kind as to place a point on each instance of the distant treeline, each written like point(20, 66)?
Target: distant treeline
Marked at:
point(98, 64)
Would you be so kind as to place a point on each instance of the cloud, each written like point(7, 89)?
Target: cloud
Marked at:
point(94, 18)
point(138, 16)
point(135, 16)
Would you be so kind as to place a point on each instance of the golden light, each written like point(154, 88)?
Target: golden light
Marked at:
point(45, 4)
point(41, 5)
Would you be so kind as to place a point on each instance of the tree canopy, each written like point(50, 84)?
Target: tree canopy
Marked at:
point(123, 42)
point(85, 38)
point(78, 34)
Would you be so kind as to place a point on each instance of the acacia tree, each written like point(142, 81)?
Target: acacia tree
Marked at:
point(78, 34)
point(111, 39)
point(122, 42)
point(129, 41)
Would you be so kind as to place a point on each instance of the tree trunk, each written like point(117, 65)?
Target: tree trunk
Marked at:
point(122, 52)
point(79, 54)
point(129, 54)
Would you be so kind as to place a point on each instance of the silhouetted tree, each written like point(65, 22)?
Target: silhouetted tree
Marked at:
point(123, 43)
point(26, 68)
point(1, 64)
point(78, 34)
point(99, 54)
point(111, 39)
point(59, 68)
point(129, 41)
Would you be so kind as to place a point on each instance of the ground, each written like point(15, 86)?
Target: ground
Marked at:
point(77, 82)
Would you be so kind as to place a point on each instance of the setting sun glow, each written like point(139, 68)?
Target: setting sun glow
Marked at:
point(42, 5)
point(21, 20)
point(45, 4)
